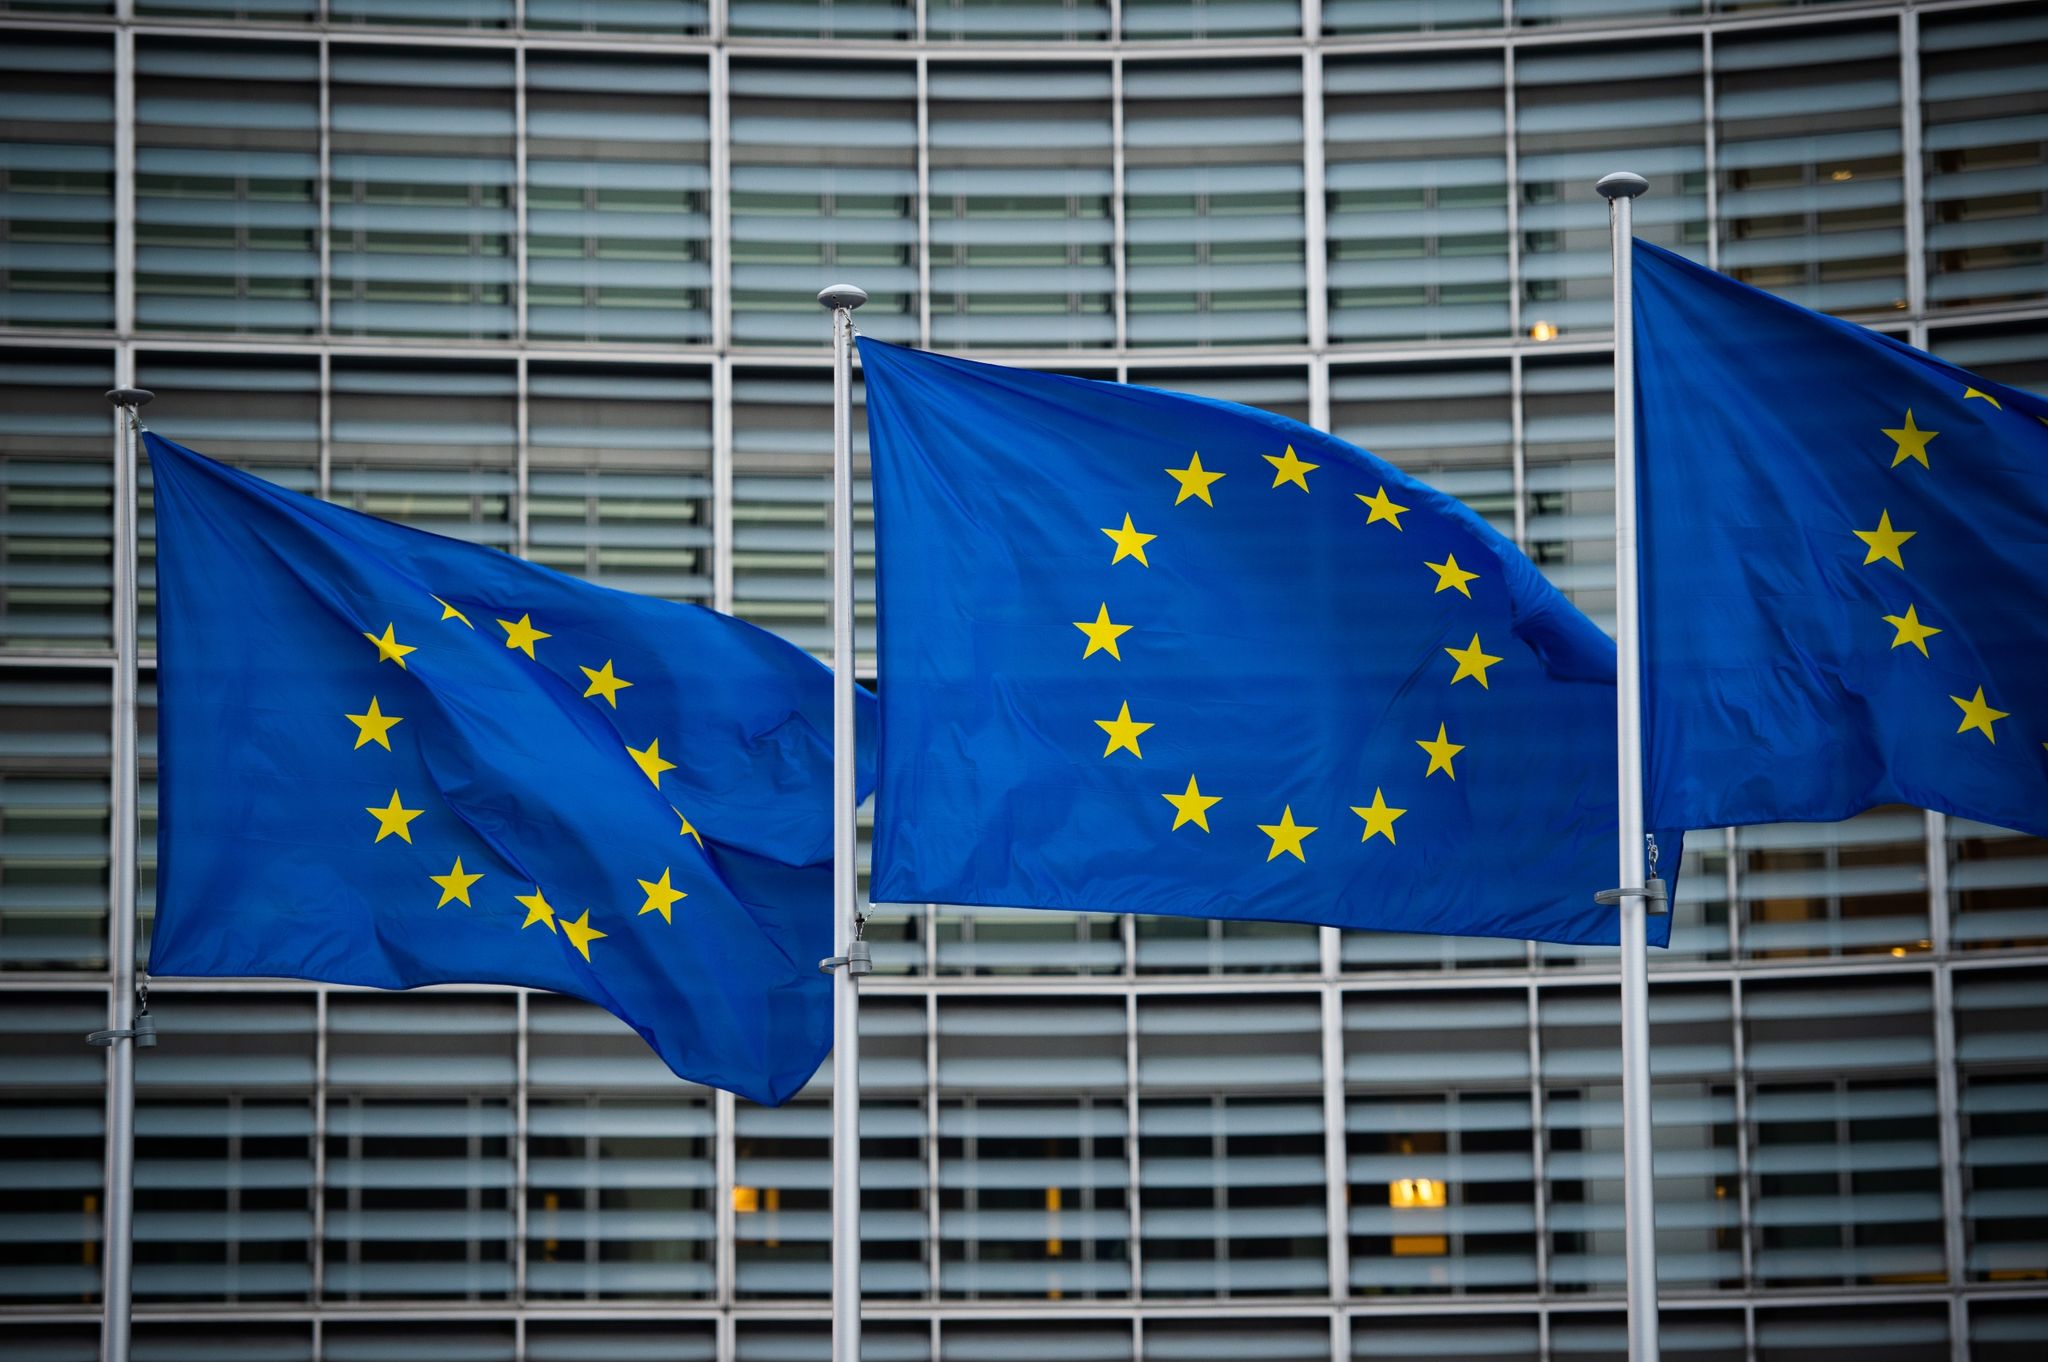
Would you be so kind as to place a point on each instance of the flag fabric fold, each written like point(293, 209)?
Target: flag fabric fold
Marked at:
point(1156, 653)
point(392, 759)
point(1845, 566)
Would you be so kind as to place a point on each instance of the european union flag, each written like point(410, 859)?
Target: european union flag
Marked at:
point(1845, 566)
point(1155, 653)
point(392, 759)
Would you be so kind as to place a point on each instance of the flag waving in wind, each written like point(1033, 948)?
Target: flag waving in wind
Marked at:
point(1845, 567)
point(1155, 653)
point(392, 759)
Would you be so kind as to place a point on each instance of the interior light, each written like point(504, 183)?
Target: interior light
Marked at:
point(1841, 175)
point(1415, 1194)
point(1543, 331)
point(746, 1200)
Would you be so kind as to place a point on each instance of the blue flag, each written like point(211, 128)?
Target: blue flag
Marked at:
point(392, 759)
point(1155, 653)
point(1845, 567)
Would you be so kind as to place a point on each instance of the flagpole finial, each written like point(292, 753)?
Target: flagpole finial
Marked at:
point(130, 397)
point(842, 295)
point(1621, 184)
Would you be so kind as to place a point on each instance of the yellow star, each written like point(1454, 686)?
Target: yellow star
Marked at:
point(1194, 480)
point(522, 635)
point(1912, 441)
point(1884, 542)
point(1192, 807)
point(1129, 543)
point(1969, 393)
point(581, 934)
point(389, 649)
point(455, 886)
point(1383, 508)
point(603, 682)
point(1287, 468)
point(1440, 753)
point(688, 829)
point(1102, 635)
point(449, 612)
point(1978, 715)
point(1123, 732)
point(1911, 630)
point(661, 896)
point(538, 909)
point(649, 758)
point(1451, 577)
point(1379, 819)
point(393, 818)
point(1471, 662)
point(374, 726)
point(1286, 835)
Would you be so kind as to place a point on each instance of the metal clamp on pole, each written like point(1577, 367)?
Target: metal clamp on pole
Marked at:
point(1656, 897)
point(856, 960)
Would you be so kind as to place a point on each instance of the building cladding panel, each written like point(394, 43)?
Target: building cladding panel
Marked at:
point(539, 274)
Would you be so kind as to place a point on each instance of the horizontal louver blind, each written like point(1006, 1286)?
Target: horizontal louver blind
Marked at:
point(824, 185)
point(56, 501)
point(617, 200)
point(2001, 1034)
point(1020, 196)
point(1812, 186)
point(56, 181)
point(420, 180)
point(1984, 93)
point(781, 507)
point(1416, 174)
point(1579, 112)
point(619, 479)
point(1213, 205)
point(430, 445)
point(227, 171)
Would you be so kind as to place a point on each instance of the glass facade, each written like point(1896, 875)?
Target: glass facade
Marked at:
point(539, 274)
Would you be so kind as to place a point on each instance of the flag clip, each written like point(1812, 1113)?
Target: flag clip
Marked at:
point(143, 1033)
point(857, 960)
point(1656, 898)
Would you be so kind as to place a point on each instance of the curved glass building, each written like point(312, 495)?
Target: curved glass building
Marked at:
point(539, 273)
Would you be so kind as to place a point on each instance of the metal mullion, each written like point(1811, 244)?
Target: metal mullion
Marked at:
point(1711, 93)
point(1912, 163)
point(1947, 1081)
point(719, 107)
point(934, 1255)
point(1315, 214)
point(521, 462)
point(124, 177)
point(1510, 110)
point(1518, 459)
point(721, 485)
point(1744, 1202)
point(520, 1130)
point(1538, 1127)
point(1118, 233)
point(319, 1245)
point(725, 1217)
point(1336, 1150)
point(924, 198)
point(324, 198)
point(1132, 1200)
point(519, 231)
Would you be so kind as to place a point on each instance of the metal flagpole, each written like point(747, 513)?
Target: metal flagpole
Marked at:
point(127, 1023)
point(1633, 897)
point(849, 953)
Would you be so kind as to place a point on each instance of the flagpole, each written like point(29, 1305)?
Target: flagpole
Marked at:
point(1620, 189)
point(849, 953)
point(124, 1023)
